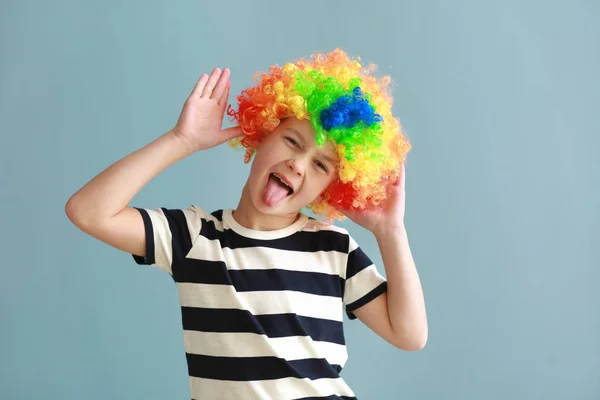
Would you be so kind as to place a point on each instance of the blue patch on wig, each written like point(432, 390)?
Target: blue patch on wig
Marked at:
point(349, 110)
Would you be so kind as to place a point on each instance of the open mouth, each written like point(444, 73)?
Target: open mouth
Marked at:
point(280, 181)
point(276, 189)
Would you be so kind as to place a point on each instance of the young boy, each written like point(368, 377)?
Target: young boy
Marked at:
point(263, 287)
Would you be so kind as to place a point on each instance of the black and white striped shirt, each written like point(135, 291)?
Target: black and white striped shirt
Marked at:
point(262, 311)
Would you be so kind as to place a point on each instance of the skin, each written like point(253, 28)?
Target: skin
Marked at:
point(290, 150)
point(101, 207)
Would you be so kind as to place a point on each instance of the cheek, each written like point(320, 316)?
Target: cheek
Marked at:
point(261, 159)
point(325, 179)
point(264, 160)
point(317, 184)
point(269, 154)
point(256, 173)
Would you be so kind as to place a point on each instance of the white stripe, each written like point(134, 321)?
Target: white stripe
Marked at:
point(316, 226)
point(327, 262)
point(260, 302)
point(286, 388)
point(163, 250)
point(193, 216)
point(310, 226)
point(221, 344)
point(362, 283)
point(353, 245)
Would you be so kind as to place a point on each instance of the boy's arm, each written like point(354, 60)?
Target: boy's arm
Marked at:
point(100, 208)
point(398, 315)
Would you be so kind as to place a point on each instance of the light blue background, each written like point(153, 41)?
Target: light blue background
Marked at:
point(499, 98)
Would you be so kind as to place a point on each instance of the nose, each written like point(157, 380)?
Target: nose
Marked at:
point(295, 166)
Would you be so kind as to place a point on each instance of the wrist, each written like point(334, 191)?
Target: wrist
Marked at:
point(389, 231)
point(185, 146)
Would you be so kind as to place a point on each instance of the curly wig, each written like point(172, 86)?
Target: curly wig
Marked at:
point(346, 104)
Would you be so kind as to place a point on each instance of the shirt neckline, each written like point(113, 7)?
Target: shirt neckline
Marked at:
point(256, 234)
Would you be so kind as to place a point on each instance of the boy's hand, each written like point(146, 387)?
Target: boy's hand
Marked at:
point(387, 218)
point(199, 124)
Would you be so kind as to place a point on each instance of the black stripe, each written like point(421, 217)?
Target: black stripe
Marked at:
point(218, 214)
point(247, 280)
point(300, 241)
point(357, 261)
point(149, 259)
point(365, 299)
point(202, 271)
point(181, 240)
point(258, 368)
point(271, 325)
point(209, 230)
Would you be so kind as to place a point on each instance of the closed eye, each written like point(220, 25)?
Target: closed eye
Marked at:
point(322, 166)
point(292, 141)
point(297, 145)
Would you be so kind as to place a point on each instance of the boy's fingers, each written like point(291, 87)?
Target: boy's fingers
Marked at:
point(225, 96)
point(221, 86)
point(197, 91)
point(233, 132)
point(212, 81)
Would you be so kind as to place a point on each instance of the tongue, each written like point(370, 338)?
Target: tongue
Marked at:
point(274, 192)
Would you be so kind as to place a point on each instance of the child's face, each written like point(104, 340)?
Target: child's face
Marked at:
point(291, 153)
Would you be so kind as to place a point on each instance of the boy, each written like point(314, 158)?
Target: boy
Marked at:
point(263, 287)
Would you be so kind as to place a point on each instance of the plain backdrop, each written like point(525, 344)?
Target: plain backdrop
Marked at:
point(500, 100)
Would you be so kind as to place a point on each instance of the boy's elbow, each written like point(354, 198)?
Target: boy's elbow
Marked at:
point(71, 209)
point(74, 213)
point(412, 343)
point(416, 345)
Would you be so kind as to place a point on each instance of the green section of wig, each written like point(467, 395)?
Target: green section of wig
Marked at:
point(320, 92)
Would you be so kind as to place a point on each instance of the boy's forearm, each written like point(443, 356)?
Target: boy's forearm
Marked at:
point(406, 304)
point(111, 191)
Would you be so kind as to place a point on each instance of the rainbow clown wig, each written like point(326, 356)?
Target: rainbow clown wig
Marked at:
point(345, 104)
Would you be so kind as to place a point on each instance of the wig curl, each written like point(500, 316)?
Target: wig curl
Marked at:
point(347, 105)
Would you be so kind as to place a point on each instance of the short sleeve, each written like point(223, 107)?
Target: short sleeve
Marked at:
point(170, 234)
point(363, 282)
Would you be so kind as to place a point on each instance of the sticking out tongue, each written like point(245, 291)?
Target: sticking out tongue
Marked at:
point(275, 191)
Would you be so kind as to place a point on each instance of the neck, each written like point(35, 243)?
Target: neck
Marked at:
point(249, 217)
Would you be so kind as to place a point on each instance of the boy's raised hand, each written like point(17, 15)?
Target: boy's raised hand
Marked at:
point(201, 119)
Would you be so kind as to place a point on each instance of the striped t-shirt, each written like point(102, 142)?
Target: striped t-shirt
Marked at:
point(262, 311)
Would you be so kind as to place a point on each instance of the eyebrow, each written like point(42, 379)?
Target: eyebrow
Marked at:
point(324, 155)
